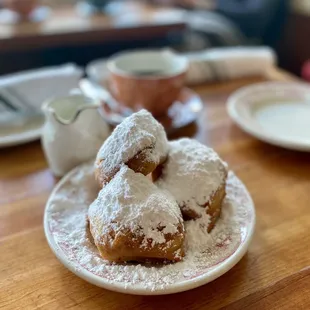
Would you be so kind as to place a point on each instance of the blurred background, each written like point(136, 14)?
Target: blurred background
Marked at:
point(36, 33)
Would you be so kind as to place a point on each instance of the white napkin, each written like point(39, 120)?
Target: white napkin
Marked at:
point(229, 63)
point(31, 88)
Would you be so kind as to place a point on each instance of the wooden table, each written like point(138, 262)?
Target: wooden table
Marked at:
point(65, 27)
point(274, 274)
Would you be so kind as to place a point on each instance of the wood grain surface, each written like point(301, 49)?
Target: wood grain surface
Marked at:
point(65, 27)
point(274, 274)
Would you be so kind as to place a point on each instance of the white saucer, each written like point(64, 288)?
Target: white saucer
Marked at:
point(66, 230)
point(274, 112)
point(183, 112)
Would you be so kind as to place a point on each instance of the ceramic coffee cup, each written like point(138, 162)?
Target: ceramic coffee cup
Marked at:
point(150, 79)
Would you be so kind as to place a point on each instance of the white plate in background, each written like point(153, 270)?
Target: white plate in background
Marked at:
point(274, 112)
point(34, 87)
point(30, 131)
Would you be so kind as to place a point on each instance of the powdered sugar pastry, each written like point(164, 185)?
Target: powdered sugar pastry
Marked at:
point(136, 133)
point(66, 215)
point(132, 201)
point(192, 173)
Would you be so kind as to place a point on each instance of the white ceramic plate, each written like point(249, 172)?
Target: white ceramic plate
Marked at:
point(34, 87)
point(12, 136)
point(66, 217)
point(274, 112)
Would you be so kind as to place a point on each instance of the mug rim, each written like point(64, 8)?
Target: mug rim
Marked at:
point(113, 69)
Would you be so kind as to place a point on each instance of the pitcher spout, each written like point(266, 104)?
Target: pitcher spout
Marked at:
point(66, 110)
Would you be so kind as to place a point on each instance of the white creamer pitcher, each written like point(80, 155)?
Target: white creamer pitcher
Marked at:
point(73, 132)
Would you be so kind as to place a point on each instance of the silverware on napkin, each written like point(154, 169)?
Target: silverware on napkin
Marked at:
point(16, 110)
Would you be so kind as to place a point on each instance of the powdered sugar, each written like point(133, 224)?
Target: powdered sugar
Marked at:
point(136, 133)
point(192, 173)
point(130, 200)
point(66, 216)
